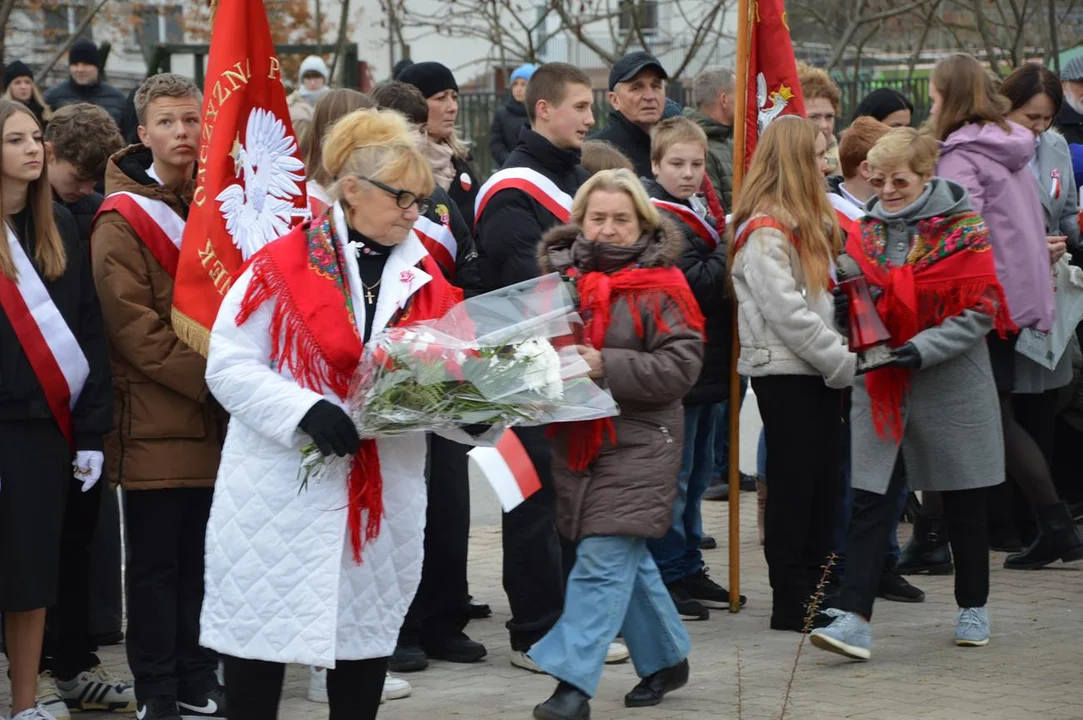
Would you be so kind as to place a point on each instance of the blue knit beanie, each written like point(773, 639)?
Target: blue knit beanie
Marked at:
point(524, 72)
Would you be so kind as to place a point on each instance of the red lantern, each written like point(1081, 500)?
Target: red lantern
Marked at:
point(869, 337)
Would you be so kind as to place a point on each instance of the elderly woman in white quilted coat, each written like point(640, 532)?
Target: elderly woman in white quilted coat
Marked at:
point(324, 575)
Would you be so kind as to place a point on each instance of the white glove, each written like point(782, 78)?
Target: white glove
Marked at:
point(88, 467)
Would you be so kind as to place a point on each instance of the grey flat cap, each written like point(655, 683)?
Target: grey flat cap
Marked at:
point(1073, 70)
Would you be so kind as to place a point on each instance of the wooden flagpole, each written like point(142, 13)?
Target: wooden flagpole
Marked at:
point(744, 38)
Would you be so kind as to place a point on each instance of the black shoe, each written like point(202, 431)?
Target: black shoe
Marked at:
point(163, 707)
point(653, 688)
point(566, 703)
point(702, 588)
point(477, 610)
point(687, 608)
point(1058, 539)
point(210, 705)
point(408, 657)
point(1076, 510)
point(748, 483)
point(707, 543)
point(927, 551)
point(454, 648)
point(895, 587)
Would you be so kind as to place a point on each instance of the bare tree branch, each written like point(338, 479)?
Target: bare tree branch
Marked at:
point(61, 51)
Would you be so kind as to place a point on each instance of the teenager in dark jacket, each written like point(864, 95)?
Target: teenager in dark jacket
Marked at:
point(637, 93)
point(51, 423)
point(531, 194)
point(85, 84)
point(510, 118)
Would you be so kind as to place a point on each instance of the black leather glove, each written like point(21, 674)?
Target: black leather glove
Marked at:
point(477, 429)
point(331, 429)
point(907, 357)
point(842, 312)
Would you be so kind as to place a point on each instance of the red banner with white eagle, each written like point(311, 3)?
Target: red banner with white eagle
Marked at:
point(250, 185)
point(773, 88)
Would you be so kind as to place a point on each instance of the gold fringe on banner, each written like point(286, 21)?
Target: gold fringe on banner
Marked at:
point(191, 332)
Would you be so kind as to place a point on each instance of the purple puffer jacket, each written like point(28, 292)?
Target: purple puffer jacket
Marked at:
point(992, 165)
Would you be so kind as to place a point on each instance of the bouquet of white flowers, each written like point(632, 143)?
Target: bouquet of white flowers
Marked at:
point(500, 359)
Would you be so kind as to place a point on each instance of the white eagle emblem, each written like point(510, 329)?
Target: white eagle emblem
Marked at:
point(778, 100)
point(260, 208)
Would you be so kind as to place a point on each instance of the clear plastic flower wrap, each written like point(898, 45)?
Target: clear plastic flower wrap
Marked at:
point(504, 358)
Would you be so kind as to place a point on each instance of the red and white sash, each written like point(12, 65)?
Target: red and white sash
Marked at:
point(707, 233)
point(846, 211)
point(318, 202)
point(439, 241)
point(533, 183)
point(49, 344)
point(156, 224)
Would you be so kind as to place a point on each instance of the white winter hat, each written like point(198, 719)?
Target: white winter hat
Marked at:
point(313, 63)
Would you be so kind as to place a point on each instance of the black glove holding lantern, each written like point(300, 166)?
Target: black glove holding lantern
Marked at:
point(858, 321)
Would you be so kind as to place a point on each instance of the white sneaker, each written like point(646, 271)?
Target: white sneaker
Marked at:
point(521, 660)
point(616, 653)
point(395, 688)
point(317, 685)
point(49, 699)
point(35, 713)
point(96, 689)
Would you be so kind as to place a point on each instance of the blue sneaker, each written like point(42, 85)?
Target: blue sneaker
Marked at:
point(972, 627)
point(848, 635)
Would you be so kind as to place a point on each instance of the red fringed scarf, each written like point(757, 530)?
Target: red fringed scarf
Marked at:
point(645, 290)
point(950, 269)
point(314, 335)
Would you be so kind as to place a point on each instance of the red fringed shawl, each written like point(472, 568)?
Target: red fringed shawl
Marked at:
point(646, 290)
point(950, 269)
point(314, 335)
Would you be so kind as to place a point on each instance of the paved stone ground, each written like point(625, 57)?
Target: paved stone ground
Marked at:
point(1033, 667)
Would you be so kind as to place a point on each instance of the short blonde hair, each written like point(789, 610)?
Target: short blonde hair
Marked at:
point(377, 144)
point(673, 131)
point(160, 86)
point(616, 181)
point(919, 151)
point(601, 155)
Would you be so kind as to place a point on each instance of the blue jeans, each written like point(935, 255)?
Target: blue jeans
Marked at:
point(677, 552)
point(722, 434)
point(614, 587)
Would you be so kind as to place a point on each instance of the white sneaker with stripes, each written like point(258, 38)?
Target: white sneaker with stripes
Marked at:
point(49, 700)
point(97, 689)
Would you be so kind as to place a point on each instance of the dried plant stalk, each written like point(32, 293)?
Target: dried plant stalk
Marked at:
point(813, 609)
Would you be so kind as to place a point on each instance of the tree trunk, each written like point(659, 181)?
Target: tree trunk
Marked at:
point(1054, 40)
point(5, 15)
point(340, 44)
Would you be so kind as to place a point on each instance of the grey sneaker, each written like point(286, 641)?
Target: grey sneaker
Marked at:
point(848, 635)
point(972, 627)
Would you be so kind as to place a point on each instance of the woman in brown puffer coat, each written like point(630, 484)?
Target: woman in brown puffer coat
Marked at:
point(616, 479)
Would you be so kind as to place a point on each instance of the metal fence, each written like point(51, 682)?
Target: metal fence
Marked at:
point(476, 110)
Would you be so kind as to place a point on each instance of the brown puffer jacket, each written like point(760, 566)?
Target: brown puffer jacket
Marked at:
point(166, 434)
point(630, 488)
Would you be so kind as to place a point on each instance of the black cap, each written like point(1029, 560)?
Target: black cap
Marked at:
point(631, 65)
point(399, 67)
point(16, 69)
point(430, 78)
point(84, 51)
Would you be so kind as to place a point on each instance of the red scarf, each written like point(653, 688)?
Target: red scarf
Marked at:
point(645, 290)
point(949, 270)
point(314, 334)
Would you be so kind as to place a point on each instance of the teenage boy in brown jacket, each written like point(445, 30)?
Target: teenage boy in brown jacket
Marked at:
point(166, 439)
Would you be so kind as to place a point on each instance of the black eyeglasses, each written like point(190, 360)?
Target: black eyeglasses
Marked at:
point(403, 198)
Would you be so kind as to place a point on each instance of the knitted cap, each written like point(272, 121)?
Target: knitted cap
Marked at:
point(523, 72)
point(430, 78)
point(1073, 70)
point(399, 67)
point(84, 51)
point(313, 63)
point(16, 69)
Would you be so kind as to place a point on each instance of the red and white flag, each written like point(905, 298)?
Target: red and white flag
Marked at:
point(49, 344)
point(508, 469)
point(250, 186)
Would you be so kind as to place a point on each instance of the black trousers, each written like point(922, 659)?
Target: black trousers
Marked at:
point(68, 649)
point(533, 555)
point(872, 519)
point(107, 590)
point(254, 688)
point(802, 419)
point(439, 608)
point(166, 532)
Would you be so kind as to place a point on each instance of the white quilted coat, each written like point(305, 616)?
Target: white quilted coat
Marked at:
point(281, 583)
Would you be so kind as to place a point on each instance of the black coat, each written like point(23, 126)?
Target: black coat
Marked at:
point(464, 188)
point(21, 395)
point(630, 139)
point(508, 121)
point(467, 271)
point(705, 270)
point(513, 222)
point(101, 94)
point(1070, 124)
point(83, 210)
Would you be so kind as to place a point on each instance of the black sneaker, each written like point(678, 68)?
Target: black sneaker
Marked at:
point(408, 657)
point(707, 543)
point(701, 587)
point(163, 707)
point(895, 587)
point(477, 610)
point(210, 705)
point(687, 608)
point(454, 648)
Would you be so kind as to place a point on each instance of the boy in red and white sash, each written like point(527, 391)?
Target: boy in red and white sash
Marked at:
point(678, 161)
point(166, 441)
point(531, 194)
point(55, 393)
